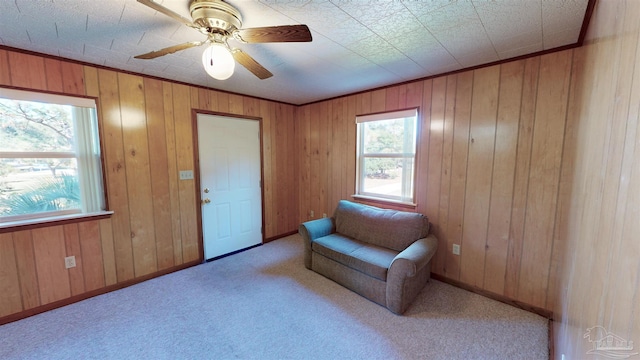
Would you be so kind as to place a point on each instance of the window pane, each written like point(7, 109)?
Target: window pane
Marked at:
point(28, 126)
point(29, 186)
point(386, 177)
point(384, 136)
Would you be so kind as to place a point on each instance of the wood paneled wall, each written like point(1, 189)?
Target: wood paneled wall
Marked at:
point(490, 155)
point(600, 213)
point(147, 139)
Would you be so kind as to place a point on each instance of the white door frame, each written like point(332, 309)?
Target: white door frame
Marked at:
point(196, 152)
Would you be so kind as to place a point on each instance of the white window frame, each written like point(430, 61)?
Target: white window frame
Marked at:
point(87, 153)
point(409, 154)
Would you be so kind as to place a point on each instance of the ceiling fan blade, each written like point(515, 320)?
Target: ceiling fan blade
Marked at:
point(268, 34)
point(155, 6)
point(251, 64)
point(170, 50)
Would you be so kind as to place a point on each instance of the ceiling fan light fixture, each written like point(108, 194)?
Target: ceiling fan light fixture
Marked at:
point(218, 61)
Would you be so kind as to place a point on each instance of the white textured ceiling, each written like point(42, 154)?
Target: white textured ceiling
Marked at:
point(357, 44)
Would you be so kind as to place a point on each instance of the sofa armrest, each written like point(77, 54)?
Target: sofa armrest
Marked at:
point(315, 229)
point(312, 230)
point(409, 272)
point(414, 257)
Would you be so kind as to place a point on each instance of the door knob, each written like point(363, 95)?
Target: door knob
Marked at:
point(206, 201)
point(206, 190)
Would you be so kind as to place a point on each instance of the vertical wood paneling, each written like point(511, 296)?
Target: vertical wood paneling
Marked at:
point(72, 78)
point(521, 180)
point(375, 102)
point(236, 104)
point(114, 164)
point(140, 196)
point(158, 165)
point(26, 266)
point(392, 98)
point(422, 157)
point(268, 166)
point(363, 102)
point(337, 161)
point(548, 136)
point(204, 99)
point(413, 95)
point(223, 102)
point(503, 174)
point(194, 97)
point(479, 174)
point(304, 149)
point(108, 252)
point(184, 156)
point(445, 176)
point(10, 299)
point(49, 252)
point(27, 71)
point(323, 150)
point(623, 254)
point(462, 117)
point(435, 140)
point(314, 139)
point(53, 70)
point(279, 162)
point(72, 245)
point(273, 131)
point(92, 258)
point(599, 269)
point(5, 75)
point(349, 146)
point(292, 171)
point(172, 172)
point(251, 106)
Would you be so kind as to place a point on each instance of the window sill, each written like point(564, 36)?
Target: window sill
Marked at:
point(52, 221)
point(383, 201)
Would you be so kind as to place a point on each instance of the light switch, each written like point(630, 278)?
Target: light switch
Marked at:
point(186, 174)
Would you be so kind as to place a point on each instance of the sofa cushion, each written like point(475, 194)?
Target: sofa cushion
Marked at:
point(388, 228)
point(366, 258)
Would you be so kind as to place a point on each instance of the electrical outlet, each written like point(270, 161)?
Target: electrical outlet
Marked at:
point(311, 213)
point(456, 249)
point(70, 262)
point(324, 215)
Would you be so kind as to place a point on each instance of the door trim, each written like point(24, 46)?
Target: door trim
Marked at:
point(196, 172)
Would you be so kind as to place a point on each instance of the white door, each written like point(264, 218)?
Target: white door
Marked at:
point(229, 151)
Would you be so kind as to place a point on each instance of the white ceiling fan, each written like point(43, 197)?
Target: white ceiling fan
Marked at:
point(220, 21)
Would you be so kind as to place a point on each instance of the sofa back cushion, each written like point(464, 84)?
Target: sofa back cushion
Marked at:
point(388, 228)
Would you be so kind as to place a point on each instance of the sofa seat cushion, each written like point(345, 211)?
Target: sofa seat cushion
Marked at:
point(369, 259)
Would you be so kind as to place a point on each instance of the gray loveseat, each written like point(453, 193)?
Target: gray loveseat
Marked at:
point(383, 255)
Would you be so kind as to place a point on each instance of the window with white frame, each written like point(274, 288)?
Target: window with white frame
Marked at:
point(49, 156)
point(386, 155)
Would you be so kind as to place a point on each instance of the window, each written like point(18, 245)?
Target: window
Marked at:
point(386, 154)
point(49, 156)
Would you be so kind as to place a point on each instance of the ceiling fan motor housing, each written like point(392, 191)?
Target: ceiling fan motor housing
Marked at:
point(215, 15)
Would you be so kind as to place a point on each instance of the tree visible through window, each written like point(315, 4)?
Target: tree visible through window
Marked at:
point(49, 156)
point(386, 155)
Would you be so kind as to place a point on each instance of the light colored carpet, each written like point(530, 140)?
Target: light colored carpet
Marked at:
point(263, 304)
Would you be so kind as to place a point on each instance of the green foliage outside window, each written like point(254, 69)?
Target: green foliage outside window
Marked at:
point(383, 137)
